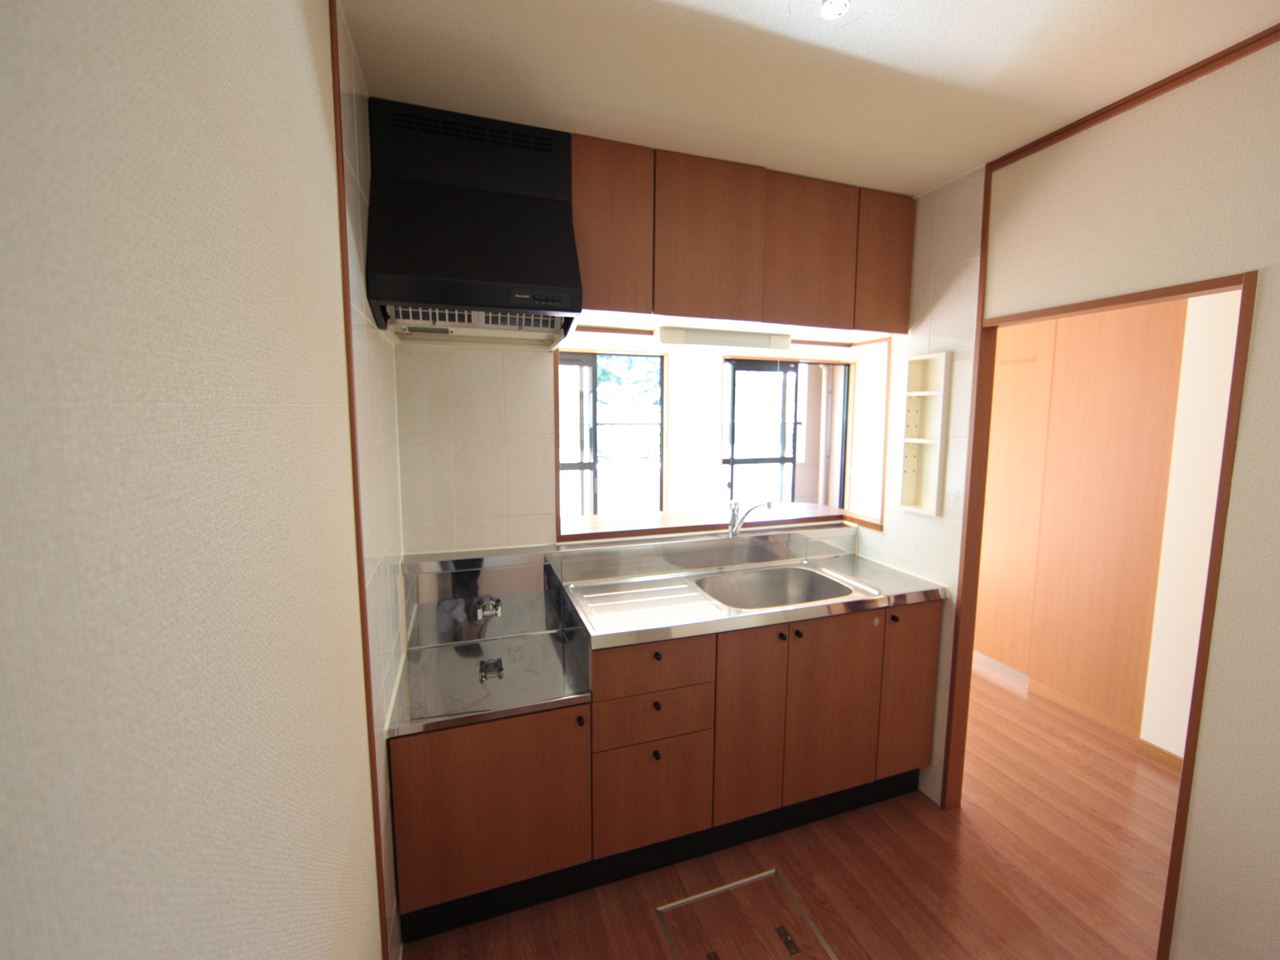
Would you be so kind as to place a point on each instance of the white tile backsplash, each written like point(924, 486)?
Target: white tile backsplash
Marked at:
point(476, 406)
point(426, 480)
point(422, 391)
point(491, 407)
point(531, 531)
point(479, 476)
point(526, 375)
point(530, 475)
point(481, 533)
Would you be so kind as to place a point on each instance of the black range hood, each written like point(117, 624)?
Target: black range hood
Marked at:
point(469, 215)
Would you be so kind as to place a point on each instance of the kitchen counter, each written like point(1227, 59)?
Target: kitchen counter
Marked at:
point(466, 662)
point(623, 611)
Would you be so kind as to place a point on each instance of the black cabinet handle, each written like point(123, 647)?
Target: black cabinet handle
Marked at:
point(782, 636)
point(893, 617)
point(799, 634)
point(581, 722)
point(657, 654)
point(657, 754)
point(657, 704)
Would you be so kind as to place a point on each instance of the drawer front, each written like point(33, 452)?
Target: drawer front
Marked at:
point(646, 667)
point(650, 792)
point(652, 716)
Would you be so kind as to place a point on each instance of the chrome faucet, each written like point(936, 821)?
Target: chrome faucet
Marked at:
point(737, 518)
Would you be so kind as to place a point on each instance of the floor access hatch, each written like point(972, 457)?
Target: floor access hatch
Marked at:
point(756, 918)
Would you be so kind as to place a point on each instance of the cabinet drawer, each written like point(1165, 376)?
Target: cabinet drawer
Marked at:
point(652, 716)
point(645, 667)
point(650, 792)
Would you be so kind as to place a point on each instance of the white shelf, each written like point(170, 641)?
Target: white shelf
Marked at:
point(924, 433)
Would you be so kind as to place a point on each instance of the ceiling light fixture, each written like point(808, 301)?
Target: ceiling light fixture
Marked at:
point(835, 9)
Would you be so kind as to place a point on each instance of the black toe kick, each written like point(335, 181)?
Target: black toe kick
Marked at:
point(594, 873)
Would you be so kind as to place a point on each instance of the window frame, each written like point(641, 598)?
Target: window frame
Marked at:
point(784, 367)
point(589, 359)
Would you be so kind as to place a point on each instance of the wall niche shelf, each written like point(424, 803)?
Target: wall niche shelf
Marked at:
point(925, 433)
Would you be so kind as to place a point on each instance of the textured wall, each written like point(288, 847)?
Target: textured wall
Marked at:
point(374, 367)
point(185, 769)
point(1183, 188)
point(944, 298)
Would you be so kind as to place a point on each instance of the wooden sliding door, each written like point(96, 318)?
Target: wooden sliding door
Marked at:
point(1082, 420)
point(1106, 478)
point(1015, 482)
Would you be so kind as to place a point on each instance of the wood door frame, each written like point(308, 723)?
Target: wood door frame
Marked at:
point(371, 735)
point(971, 543)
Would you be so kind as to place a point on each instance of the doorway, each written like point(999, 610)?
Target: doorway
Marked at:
point(1099, 480)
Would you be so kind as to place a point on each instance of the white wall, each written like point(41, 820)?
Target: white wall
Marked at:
point(377, 456)
point(1204, 386)
point(1186, 187)
point(477, 455)
point(944, 300)
point(185, 769)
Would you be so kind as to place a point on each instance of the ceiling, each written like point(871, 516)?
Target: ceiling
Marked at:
point(902, 95)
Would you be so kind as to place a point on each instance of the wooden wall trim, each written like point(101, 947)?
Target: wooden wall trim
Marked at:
point(1244, 330)
point(370, 728)
point(984, 370)
point(1201, 68)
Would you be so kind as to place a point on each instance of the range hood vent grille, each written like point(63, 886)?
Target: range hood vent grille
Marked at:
point(409, 320)
point(470, 130)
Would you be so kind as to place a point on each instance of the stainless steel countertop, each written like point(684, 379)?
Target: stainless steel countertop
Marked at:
point(679, 609)
point(612, 596)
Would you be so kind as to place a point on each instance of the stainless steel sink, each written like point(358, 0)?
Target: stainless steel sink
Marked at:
point(774, 587)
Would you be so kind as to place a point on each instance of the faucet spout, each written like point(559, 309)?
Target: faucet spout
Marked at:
point(737, 518)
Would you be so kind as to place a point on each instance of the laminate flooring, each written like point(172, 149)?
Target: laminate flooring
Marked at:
point(1059, 850)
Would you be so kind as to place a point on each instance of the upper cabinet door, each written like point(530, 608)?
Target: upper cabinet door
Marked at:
point(810, 258)
point(708, 237)
point(886, 237)
point(613, 223)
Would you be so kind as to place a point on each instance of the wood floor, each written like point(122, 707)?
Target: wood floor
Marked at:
point(1059, 851)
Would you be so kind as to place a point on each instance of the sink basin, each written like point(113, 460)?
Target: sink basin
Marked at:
point(772, 587)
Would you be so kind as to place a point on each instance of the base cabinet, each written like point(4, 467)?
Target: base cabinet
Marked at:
point(909, 687)
point(481, 806)
point(833, 704)
point(751, 711)
point(692, 733)
point(815, 707)
point(651, 792)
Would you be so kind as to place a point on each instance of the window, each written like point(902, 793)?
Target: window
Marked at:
point(785, 431)
point(610, 427)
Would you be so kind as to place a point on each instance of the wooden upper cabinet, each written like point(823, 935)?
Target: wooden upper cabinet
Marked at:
point(613, 223)
point(709, 229)
point(909, 687)
point(751, 707)
point(833, 704)
point(886, 239)
point(810, 251)
point(481, 806)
